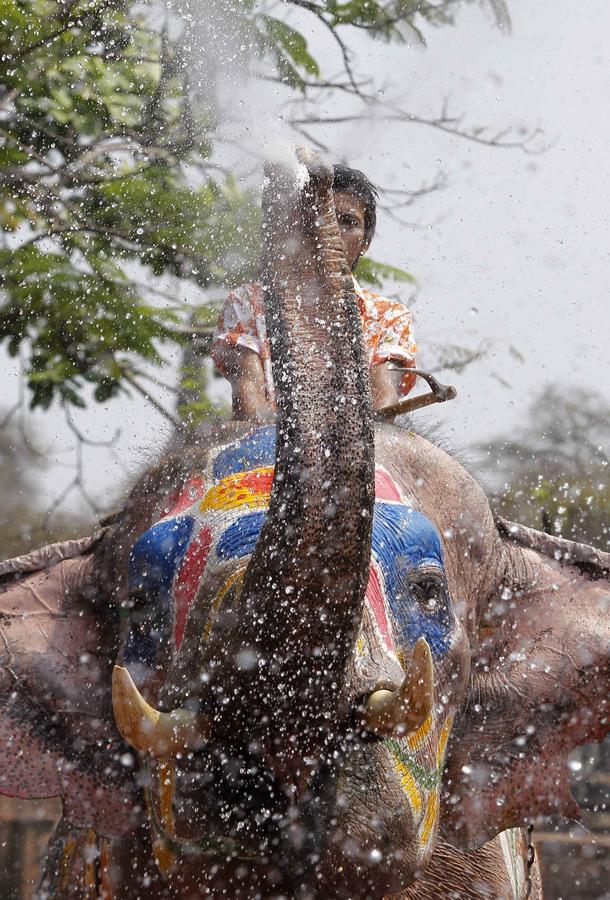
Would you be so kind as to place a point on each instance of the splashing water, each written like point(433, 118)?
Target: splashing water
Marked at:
point(245, 112)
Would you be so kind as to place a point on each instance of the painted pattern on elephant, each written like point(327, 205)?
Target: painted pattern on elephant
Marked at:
point(216, 520)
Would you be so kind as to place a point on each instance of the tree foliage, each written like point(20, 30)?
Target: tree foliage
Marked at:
point(558, 466)
point(96, 138)
point(109, 180)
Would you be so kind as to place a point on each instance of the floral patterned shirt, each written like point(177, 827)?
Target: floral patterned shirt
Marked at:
point(387, 327)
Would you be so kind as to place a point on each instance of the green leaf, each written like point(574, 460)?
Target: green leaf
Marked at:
point(287, 39)
point(370, 271)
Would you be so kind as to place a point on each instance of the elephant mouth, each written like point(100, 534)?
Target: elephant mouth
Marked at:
point(269, 852)
point(210, 845)
point(253, 811)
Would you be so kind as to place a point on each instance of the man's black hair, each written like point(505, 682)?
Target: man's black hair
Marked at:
point(353, 181)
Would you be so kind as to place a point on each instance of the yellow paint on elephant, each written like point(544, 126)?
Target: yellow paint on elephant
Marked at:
point(429, 818)
point(249, 489)
point(167, 781)
point(66, 861)
point(106, 892)
point(164, 857)
point(90, 856)
point(235, 578)
point(416, 737)
point(409, 786)
point(443, 738)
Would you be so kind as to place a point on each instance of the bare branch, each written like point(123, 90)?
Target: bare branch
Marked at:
point(157, 381)
point(129, 377)
point(319, 13)
point(400, 198)
point(30, 151)
point(309, 137)
point(81, 437)
point(451, 125)
point(77, 484)
point(323, 84)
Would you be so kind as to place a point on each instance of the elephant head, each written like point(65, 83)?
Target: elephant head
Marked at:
point(296, 608)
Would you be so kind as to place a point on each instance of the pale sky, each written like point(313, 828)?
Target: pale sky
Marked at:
point(516, 249)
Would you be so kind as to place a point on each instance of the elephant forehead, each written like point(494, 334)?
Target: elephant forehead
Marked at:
point(216, 518)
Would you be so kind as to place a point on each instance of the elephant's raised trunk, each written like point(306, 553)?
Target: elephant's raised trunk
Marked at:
point(304, 586)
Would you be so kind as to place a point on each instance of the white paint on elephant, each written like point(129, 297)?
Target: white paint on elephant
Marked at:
point(511, 842)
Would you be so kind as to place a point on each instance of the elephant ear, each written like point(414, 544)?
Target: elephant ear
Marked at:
point(539, 687)
point(57, 732)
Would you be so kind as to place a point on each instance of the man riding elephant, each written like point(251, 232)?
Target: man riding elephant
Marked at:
point(241, 345)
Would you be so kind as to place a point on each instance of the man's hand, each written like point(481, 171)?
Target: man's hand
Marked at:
point(385, 385)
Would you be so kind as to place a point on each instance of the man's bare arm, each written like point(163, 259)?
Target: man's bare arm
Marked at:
point(244, 370)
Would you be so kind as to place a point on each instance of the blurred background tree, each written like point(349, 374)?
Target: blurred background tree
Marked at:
point(555, 466)
point(24, 523)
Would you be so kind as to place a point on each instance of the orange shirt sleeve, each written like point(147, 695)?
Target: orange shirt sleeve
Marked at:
point(394, 339)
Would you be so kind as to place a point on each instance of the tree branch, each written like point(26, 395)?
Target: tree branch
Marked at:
point(129, 377)
point(447, 125)
point(68, 24)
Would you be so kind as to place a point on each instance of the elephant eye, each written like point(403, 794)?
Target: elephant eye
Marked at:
point(427, 588)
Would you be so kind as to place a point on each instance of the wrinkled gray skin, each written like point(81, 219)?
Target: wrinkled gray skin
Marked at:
point(286, 734)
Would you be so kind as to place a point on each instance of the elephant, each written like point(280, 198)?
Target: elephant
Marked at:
point(303, 659)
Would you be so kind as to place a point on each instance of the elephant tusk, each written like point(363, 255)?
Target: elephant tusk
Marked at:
point(396, 713)
point(146, 728)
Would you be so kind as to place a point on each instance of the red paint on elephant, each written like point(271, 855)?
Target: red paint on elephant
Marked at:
point(188, 579)
point(385, 487)
point(376, 602)
point(258, 480)
point(189, 493)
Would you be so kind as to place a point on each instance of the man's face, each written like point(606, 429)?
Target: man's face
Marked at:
point(350, 216)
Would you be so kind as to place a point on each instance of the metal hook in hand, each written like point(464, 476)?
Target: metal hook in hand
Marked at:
point(438, 393)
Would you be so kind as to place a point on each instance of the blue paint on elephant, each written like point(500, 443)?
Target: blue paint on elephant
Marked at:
point(254, 450)
point(154, 557)
point(404, 540)
point(153, 563)
point(240, 538)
